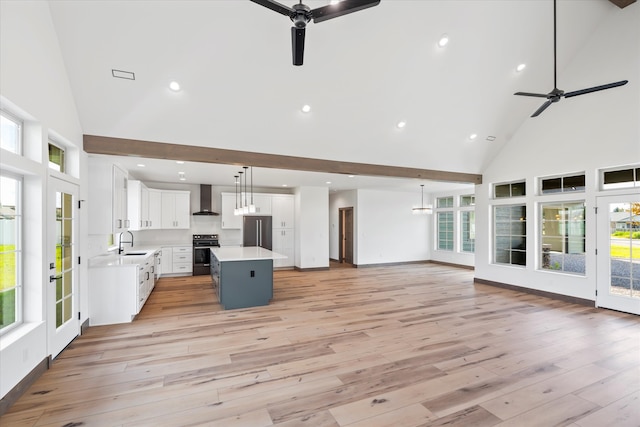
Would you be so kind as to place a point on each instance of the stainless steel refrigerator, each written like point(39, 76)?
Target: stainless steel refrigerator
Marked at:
point(257, 231)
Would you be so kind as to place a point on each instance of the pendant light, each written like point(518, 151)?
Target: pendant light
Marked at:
point(235, 211)
point(245, 206)
point(422, 210)
point(239, 209)
point(252, 207)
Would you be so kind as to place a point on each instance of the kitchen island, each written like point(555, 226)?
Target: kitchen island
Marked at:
point(243, 276)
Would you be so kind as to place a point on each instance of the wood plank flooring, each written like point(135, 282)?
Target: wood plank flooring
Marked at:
point(410, 345)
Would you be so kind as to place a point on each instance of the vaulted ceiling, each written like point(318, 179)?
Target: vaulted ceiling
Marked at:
point(363, 73)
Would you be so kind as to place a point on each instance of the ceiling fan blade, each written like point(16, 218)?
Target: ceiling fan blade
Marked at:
point(541, 109)
point(595, 89)
point(297, 45)
point(344, 7)
point(275, 6)
point(537, 95)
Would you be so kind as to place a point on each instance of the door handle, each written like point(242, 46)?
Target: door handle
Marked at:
point(53, 278)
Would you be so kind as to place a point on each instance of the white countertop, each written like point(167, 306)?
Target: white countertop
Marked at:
point(124, 260)
point(246, 253)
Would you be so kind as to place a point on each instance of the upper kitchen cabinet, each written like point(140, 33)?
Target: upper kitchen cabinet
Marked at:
point(176, 207)
point(138, 205)
point(282, 210)
point(229, 220)
point(262, 203)
point(108, 197)
point(155, 209)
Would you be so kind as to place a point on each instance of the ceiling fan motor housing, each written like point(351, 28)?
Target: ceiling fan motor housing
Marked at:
point(301, 16)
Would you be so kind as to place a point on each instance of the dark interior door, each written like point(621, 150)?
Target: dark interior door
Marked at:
point(346, 235)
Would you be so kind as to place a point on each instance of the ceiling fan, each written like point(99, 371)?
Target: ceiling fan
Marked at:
point(300, 14)
point(556, 94)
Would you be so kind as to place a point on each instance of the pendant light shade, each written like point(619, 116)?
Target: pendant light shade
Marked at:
point(238, 209)
point(422, 210)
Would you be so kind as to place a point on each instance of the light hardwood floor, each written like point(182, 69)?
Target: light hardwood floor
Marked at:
point(411, 345)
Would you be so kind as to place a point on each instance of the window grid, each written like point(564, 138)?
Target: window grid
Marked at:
point(513, 189)
point(510, 234)
point(468, 231)
point(10, 252)
point(562, 184)
point(445, 231)
point(56, 157)
point(562, 244)
point(621, 178)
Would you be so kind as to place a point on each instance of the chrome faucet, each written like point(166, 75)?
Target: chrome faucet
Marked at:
point(120, 248)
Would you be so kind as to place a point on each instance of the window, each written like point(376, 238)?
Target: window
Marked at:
point(468, 231)
point(56, 157)
point(510, 234)
point(445, 231)
point(621, 178)
point(10, 252)
point(10, 133)
point(513, 189)
point(562, 184)
point(469, 200)
point(444, 202)
point(563, 237)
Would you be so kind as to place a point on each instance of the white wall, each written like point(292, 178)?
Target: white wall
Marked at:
point(34, 87)
point(580, 134)
point(312, 227)
point(387, 231)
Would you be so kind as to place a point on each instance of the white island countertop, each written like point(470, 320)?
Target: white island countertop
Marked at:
point(246, 253)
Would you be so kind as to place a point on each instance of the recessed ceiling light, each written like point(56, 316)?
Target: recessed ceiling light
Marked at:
point(140, 165)
point(334, 2)
point(284, 185)
point(401, 124)
point(521, 67)
point(328, 182)
point(174, 86)
point(180, 162)
point(473, 136)
point(306, 108)
point(444, 40)
point(183, 179)
point(491, 138)
point(351, 176)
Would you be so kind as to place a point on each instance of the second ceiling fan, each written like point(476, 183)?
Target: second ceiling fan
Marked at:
point(300, 14)
point(556, 94)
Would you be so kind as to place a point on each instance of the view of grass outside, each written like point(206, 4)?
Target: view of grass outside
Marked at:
point(7, 285)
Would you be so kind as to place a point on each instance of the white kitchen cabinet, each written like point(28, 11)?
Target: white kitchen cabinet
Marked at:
point(107, 197)
point(283, 243)
point(262, 203)
point(229, 220)
point(182, 259)
point(282, 211)
point(155, 209)
point(283, 214)
point(176, 207)
point(166, 260)
point(118, 293)
point(177, 260)
point(138, 205)
point(120, 214)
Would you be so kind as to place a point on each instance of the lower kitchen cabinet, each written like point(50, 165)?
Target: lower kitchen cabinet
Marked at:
point(118, 293)
point(177, 260)
point(283, 243)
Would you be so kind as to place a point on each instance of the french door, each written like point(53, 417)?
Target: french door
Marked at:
point(618, 267)
point(62, 252)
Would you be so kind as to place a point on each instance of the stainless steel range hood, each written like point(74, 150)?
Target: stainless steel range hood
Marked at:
point(205, 201)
